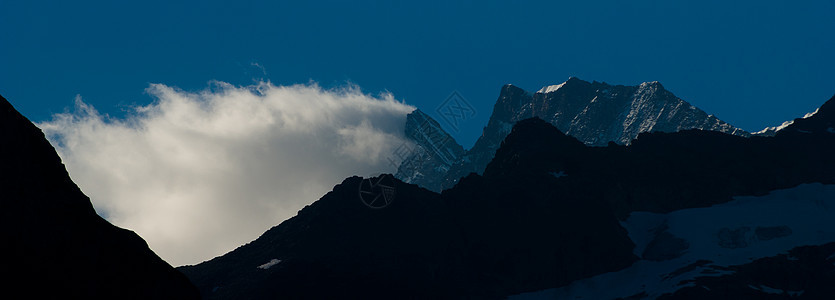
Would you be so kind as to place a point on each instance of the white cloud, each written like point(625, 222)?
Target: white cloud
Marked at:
point(199, 173)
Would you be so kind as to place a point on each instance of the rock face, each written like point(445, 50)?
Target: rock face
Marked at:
point(547, 211)
point(594, 113)
point(433, 153)
point(55, 244)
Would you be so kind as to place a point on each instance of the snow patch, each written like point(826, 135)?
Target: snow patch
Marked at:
point(269, 264)
point(649, 85)
point(770, 131)
point(771, 290)
point(550, 88)
point(806, 116)
point(775, 129)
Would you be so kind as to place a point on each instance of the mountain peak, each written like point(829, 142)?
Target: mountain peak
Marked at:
point(651, 84)
point(528, 142)
point(554, 87)
point(510, 88)
point(433, 153)
point(593, 113)
point(417, 113)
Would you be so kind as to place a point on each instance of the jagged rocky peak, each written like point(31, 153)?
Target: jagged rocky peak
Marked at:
point(433, 151)
point(595, 113)
point(555, 87)
point(427, 133)
point(651, 84)
point(512, 99)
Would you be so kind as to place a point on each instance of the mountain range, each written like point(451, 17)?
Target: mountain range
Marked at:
point(593, 112)
point(580, 190)
point(671, 215)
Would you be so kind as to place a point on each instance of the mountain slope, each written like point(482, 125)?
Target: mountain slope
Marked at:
point(55, 244)
point(548, 211)
point(422, 245)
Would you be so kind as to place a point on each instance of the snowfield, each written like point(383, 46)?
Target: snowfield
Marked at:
point(684, 244)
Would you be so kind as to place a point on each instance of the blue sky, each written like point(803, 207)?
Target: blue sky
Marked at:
point(751, 63)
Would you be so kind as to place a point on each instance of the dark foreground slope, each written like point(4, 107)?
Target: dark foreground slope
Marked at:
point(420, 246)
point(493, 236)
point(546, 212)
point(54, 243)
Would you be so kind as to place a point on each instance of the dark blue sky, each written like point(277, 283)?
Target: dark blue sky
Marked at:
point(751, 63)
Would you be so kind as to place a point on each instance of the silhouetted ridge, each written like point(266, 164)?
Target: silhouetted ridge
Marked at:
point(531, 139)
point(822, 122)
point(54, 243)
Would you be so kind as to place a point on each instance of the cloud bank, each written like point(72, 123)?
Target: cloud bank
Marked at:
point(199, 173)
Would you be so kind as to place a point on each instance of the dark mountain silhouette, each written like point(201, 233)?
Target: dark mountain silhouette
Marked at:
point(547, 211)
point(595, 113)
point(54, 243)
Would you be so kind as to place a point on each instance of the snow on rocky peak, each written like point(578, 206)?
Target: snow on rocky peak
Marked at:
point(593, 112)
point(550, 88)
point(808, 115)
point(771, 131)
